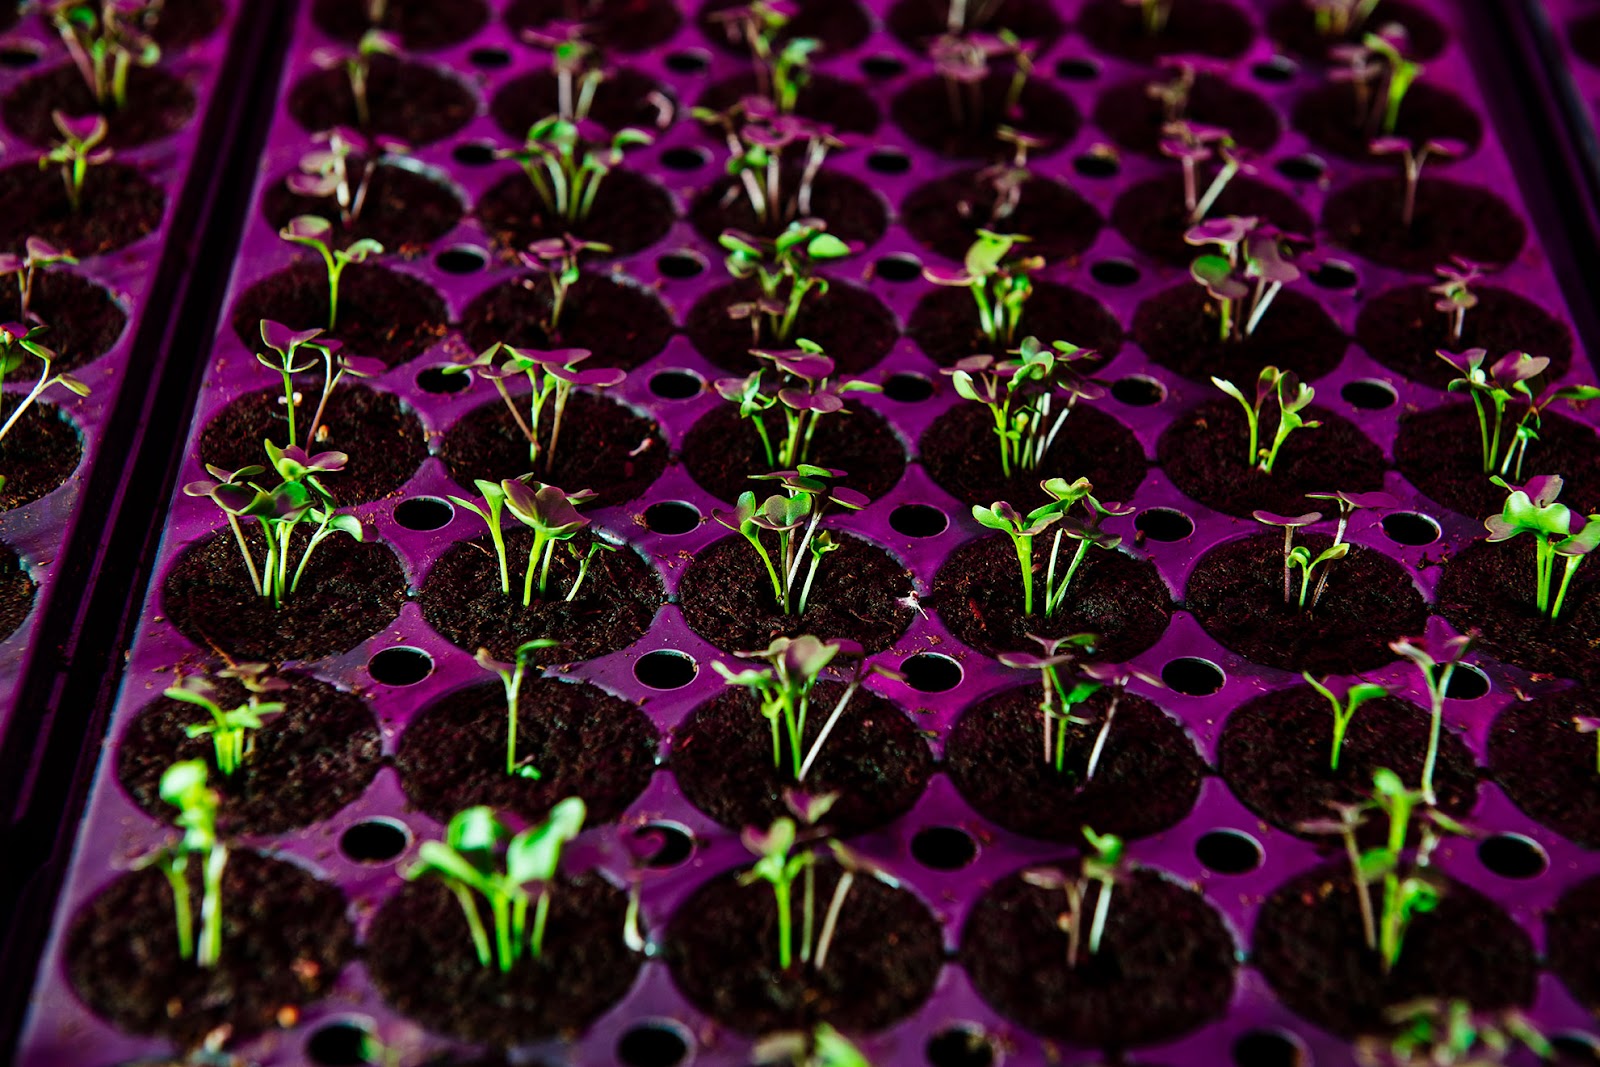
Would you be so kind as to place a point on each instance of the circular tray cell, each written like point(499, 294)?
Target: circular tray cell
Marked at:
point(1548, 766)
point(853, 211)
point(843, 105)
point(383, 314)
point(1203, 27)
point(119, 206)
point(916, 23)
point(613, 25)
point(413, 102)
point(1574, 943)
point(159, 104)
point(924, 112)
point(621, 322)
point(421, 25)
point(1402, 329)
point(17, 589)
point(1153, 218)
point(1329, 117)
point(850, 324)
point(839, 25)
point(945, 323)
point(626, 97)
point(945, 215)
point(722, 450)
point(84, 319)
point(1179, 329)
point(630, 212)
point(1133, 116)
point(1450, 219)
point(404, 207)
point(39, 453)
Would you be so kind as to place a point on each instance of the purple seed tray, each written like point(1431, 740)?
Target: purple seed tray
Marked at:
point(60, 1029)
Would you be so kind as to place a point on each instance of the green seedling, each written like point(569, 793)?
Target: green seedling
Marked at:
point(1021, 395)
point(327, 171)
point(1290, 524)
point(1115, 679)
point(1346, 823)
point(1344, 710)
point(1433, 1032)
point(758, 136)
point(783, 268)
point(999, 283)
point(37, 252)
point(77, 151)
point(801, 387)
point(489, 506)
point(358, 69)
point(18, 342)
point(1293, 397)
point(807, 493)
point(963, 63)
point(315, 233)
point(758, 26)
point(1193, 143)
point(822, 1047)
point(552, 514)
point(1532, 509)
point(551, 377)
point(1299, 556)
point(574, 62)
point(481, 857)
point(1340, 18)
point(567, 161)
point(1454, 290)
point(1173, 93)
point(1245, 275)
point(106, 39)
point(1589, 724)
point(229, 728)
point(512, 681)
point(1153, 14)
point(1380, 76)
point(294, 352)
point(558, 259)
point(1006, 179)
point(778, 866)
point(1438, 663)
point(183, 785)
point(1057, 698)
point(1411, 160)
point(1492, 389)
point(1100, 869)
point(1348, 504)
point(1022, 531)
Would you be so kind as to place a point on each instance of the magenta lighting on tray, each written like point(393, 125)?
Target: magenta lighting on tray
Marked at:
point(821, 532)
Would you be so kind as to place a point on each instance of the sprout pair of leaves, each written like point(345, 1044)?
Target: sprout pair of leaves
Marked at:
point(1380, 75)
point(558, 258)
point(1102, 867)
point(1193, 143)
point(1007, 178)
point(357, 66)
point(1173, 93)
point(106, 39)
point(822, 1047)
point(1556, 531)
point(806, 493)
point(803, 390)
point(1252, 264)
point(551, 377)
point(326, 171)
point(551, 513)
point(573, 60)
point(1300, 557)
point(229, 728)
point(1411, 160)
point(77, 151)
point(1437, 661)
point(315, 233)
point(511, 680)
point(1493, 388)
point(37, 252)
point(783, 267)
point(999, 283)
point(297, 351)
point(183, 785)
point(1338, 19)
point(963, 59)
point(1086, 531)
point(481, 857)
point(1293, 397)
point(1454, 290)
point(567, 160)
point(1451, 1033)
point(1344, 709)
point(758, 134)
point(782, 68)
point(1020, 394)
point(18, 342)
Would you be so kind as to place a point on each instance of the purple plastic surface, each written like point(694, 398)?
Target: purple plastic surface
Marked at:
point(115, 831)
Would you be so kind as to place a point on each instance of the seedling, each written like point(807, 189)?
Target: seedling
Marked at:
point(801, 388)
point(573, 61)
point(808, 493)
point(783, 268)
point(1022, 530)
point(1437, 662)
point(1007, 178)
point(1173, 94)
point(183, 785)
point(1057, 701)
point(1290, 524)
point(512, 681)
point(37, 252)
point(1020, 394)
point(1344, 710)
point(1588, 724)
point(471, 863)
point(1380, 76)
point(1153, 13)
point(1451, 1033)
point(230, 728)
point(758, 135)
point(962, 61)
point(1556, 531)
point(358, 68)
point(1456, 298)
point(1293, 397)
point(553, 516)
point(1299, 556)
point(1193, 143)
point(17, 343)
point(1412, 159)
point(326, 171)
point(1346, 823)
point(106, 39)
point(1115, 678)
point(293, 352)
point(561, 159)
point(1245, 276)
point(758, 25)
point(777, 867)
point(1104, 866)
point(314, 232)
point(1505, 378)
point(558, 258)
point(77, 151)
point(999, 283)
point(1348, 504)
point(1407, 892)
point(551, 376)
point(822, 1047)
point(489, 506)
point(1340, 18)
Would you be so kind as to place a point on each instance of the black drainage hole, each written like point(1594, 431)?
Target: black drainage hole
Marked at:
point(18, 56)
point(672, 517)
point(907, 388)
point(670, 845)
point(474, 154)
point(1267, 1048)
point(462, 259)
point(1097, 165)
point(659, 1044)
point(899, 268)
point(424, 513)
point(919, 520)
point(1118, 272)
point(1228, 852)
point(1575, 1048)
point(665, 669)
point(960, 1046)
point(681, 264)
point(688, 62)
point(345, 1044)
point(889, 161)
point(1513, 856)
point(1138, 391)
point(1193, 676)
point(944, 848)
point(931, 672)
point(1466, 683)
point(1369, 394)
point(676, 384)
point(438, 380)
point(1335, 275)
point(883, 66)
point(685, 157)
point(1306, 168)
point(489, 58)
point(1276, 70)
point(374, 840)
point(400, 666)
point(1410, 528)
point(1164, 524)
point(1078, 70)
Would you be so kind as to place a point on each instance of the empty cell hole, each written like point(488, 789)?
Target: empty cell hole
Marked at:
point(883, 66)
point(17, 56)
point(1268, 1048)
point(474, 153)
point(907, 388)
point(374, 840)
point(489, 58)
point(1228, 852)
point(462, 259)
point(919, 520)
point(1335, 275)
point(1193, 676)
point(671, 517)
point(341, 1044)
point(1466, 682)
point(1078, 70)
point(401, 665)
point(1097, 165)
point(1164, 524)
point(1410, 528)
point(666, 669)
point(1138, 391)
point(1303, 168)
point(961, 1046)
point(424, 513)
point(1117, 272)
point(1575, 1047)
point(676, 384)
point(441, 381)
point(900, 267)
point(1369, 394)
point(669, 844)
point(685, 157)
point(653, 1044)
point(681, 264)
point(931, 672)
point(944, 848)
point(888, 161)
point(1274, 71)
point(1513, 856)
point(688, 62)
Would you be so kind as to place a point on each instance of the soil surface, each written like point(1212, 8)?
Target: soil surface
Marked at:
point(851, 325)
point(1451, 219)
point(1402, 329)
point(1275, 750)
point(16, 592)
point(119, 206)
point(83, 319)
point(349, 591)
point(961, 453)
point(184, 22)
point(946, 326)
point(383, 314)
point(621, 322)
point(839, 24)
point(917, 22)
point(1573, 937)
point(854, 212)
point(1489, 587)
point(420, 955)
point(1146, 780)
point(1236, 593)
point(882, 963)
point(947, 213)
point(922, 110)
point(844, 105)
point(875, 758)
point(1308, 943)
point(619, 596)
point(722, 450)
point(1131, 117)
point(620, 25)
point(378, 431)
point(302, 766)
point(1152, 216)
point(414, 102)
point(727, 597)
point(604, 446)
point(630, 212)
point(421, 25)
point(1547, 767)
point(1179, 328)
point(1292, 25)
point(622, 99)
point(1203, 452)
point(1328, 116)
point(40, 452)
point(405, 209)
point(582, 740)
point(978, 595)
point(1165, 967)
point(1206, 27)
point(285, 938)
point(159, 104)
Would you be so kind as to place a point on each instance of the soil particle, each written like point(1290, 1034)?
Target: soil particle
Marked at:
point(405, 209)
